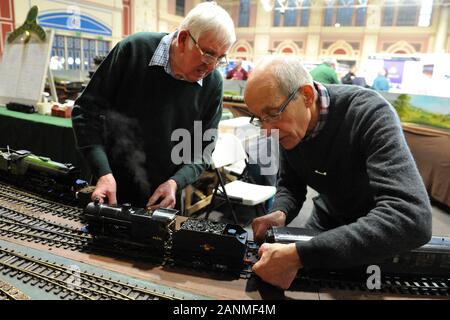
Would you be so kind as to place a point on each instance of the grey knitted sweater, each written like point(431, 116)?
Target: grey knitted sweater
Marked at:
point(372, 184)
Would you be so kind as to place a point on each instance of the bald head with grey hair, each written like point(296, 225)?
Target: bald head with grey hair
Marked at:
point(288, 72)
point(281, 96)
point(210, 17)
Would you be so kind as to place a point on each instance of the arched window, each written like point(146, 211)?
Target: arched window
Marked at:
point(287, 47)
point(339, 51)
point(241, 49)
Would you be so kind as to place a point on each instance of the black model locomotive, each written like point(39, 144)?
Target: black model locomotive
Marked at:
point(215, 244)
point(129, 226)
point(40, 174)
point(154, 233)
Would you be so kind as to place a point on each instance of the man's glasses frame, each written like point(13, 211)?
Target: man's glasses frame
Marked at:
point(275, 117)
point(208, 58)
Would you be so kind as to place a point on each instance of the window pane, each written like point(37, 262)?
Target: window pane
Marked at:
point(69, 42)
point(244, 13)
point(60, 41)
point(77, 53)
point(388, 14)
point(102, 48)
point(179, 8)
point(290, 16)
point(407, 15)
point(70, 53)
point(276, 15)
point(305, 13)
point(344, 13)
point(57, 60)
point(88, 54)
point(360, 17)
point(328, 21)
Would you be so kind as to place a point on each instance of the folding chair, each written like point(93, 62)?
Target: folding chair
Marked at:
point(229, 151)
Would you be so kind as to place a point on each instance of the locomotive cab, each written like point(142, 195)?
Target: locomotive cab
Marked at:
point(126, 225)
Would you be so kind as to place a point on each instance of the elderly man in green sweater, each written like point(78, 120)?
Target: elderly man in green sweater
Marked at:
point(325, 72)
point(346, 142)
point(150, 86)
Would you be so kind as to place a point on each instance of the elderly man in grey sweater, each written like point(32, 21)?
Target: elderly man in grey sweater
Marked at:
point(345, 142)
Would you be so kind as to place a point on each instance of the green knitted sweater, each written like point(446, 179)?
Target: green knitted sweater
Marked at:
point(124, 120)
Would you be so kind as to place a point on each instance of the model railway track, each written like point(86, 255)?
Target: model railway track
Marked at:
point(8, 292)
point(9, 195)
point(22, 224)
point(416, 286)
point(26, 227)
point(400, 285)
point(69, 282)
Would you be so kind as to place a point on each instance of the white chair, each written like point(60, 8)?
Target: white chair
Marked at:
point(229, 151)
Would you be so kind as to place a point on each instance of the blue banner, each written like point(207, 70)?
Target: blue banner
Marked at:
point(73, 22)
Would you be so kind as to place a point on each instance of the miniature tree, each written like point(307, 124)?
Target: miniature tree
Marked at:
point(402, 105)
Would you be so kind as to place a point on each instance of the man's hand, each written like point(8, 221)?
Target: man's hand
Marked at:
point(166, 194)
point(261, 224)
point(106, 188)
point(278, 264)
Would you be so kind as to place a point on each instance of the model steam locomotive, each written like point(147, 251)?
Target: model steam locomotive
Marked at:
point(40, 174)
point(226, 246)
point(126, 225)
point(214, 244)
point(154, 233)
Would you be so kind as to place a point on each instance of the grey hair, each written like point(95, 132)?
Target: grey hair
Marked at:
point(288, 71)
point(209, 16)
point(330, 61)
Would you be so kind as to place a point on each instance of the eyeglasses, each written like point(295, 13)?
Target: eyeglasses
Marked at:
point(208, 58)
point(258, 122)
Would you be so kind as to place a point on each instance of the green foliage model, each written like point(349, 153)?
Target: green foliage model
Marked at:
point(29, 26)
point(409, 113)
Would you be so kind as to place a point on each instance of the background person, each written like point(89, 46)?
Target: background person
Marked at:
point(238, 72)
point(326, 72)
point(381, 82)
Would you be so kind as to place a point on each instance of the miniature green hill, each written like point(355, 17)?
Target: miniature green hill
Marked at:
point(409, 113)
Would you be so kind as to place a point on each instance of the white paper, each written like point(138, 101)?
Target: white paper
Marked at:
point(23, 70)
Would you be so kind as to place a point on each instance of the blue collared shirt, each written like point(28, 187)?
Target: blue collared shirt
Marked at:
point(161, 57)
